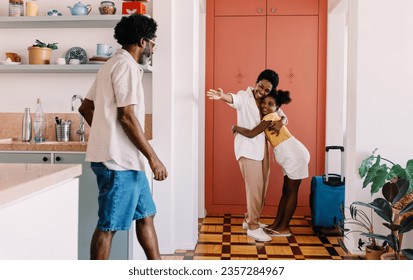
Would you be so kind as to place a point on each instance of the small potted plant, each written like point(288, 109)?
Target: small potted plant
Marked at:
point(40, 52)
point(362, 223)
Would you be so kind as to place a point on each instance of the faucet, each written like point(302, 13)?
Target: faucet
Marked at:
point(81, 130)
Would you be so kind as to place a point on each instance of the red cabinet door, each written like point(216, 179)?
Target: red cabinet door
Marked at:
point(240, 7)
point(239, 46)
point(292, 7)
point(292, 51)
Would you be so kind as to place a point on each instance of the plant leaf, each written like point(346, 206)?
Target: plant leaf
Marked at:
point(371, 172)
point(407, 208)
point(383, 208)
point(365, 166)
point(379, 179)
point(409, 174)
point(397, 171)
point(342, 245)
point(390, 191)
point(406, 225)
point(408, 253)
point(403, 186)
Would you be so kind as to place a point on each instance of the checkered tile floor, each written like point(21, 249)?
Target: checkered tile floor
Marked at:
point(222, 238)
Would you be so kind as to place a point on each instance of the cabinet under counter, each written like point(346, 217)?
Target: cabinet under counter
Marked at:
point(39, 209)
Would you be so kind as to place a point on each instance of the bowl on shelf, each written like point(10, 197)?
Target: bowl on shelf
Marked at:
point(107, 8)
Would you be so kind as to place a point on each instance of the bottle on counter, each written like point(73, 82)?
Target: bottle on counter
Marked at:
point(39, 123)
point(16, 8)
point(32, 8)
point(27, 126)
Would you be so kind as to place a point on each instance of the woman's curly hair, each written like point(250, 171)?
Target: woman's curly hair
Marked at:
point(131, 29)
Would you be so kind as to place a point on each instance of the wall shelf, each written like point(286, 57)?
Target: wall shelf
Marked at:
point(54, 68)
point(90, 21)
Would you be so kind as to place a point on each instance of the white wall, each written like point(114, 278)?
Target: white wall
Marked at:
point(379, 89)
point(336, 81)
point(175, 122)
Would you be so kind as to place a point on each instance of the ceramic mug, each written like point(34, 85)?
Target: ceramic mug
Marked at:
point(104, 50)
point(14, 57)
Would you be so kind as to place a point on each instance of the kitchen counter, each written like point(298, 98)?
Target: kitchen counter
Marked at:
point(18, 181)
point(10, 134)
point(13, 144)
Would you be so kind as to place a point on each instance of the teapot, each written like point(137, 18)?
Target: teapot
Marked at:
point(80, 10)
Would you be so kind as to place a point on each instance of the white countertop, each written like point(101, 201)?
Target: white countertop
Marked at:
point(20, 180)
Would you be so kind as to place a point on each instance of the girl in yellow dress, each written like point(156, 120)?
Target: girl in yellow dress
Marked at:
point(290, 154)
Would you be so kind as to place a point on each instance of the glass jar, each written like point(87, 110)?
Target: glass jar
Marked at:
point(16, 8)
point(31, 8)
point(107, 8)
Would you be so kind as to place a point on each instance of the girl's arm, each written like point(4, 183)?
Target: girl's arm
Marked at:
point(251, 133)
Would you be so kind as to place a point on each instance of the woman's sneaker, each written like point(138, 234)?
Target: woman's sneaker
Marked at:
point(258, 234)
point(245, 225)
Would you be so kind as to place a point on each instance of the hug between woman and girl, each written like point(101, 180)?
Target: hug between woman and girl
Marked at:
point(258, 111)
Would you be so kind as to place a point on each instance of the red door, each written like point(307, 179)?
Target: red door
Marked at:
point(292, 47)
point(238, 49)
point(239, 57)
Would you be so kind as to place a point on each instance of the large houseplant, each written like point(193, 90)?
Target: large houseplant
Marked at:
point(395, 183)
point(39, 53)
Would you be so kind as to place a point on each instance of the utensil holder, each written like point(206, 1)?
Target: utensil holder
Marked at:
point(63, 132)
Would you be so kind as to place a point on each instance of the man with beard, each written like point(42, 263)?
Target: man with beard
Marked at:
point(115, 110)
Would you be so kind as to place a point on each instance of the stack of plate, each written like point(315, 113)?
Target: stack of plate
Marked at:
point(98, 59)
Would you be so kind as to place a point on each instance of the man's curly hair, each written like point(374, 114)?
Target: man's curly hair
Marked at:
point(131, 29)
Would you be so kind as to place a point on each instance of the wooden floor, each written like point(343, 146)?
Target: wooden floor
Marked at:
point(222, 238)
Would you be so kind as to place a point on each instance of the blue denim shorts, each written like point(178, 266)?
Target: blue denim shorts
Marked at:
point(124, 196)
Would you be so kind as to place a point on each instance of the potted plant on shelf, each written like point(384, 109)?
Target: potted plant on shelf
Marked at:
point(40, 52)
point(362, 223)
point(396, 208)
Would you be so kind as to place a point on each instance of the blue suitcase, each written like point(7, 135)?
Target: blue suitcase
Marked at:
point(327, 195)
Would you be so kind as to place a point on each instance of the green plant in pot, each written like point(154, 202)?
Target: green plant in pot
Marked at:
point(395, 183)
point(39, 53)
point(362, 223)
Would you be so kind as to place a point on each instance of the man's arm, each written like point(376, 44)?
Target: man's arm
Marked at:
point(251, 133)
point(86, 110)
point(133, 130)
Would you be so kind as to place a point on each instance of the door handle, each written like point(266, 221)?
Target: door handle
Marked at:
point(58, 158)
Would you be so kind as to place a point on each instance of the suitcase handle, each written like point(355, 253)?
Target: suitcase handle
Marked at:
point(341, 148)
